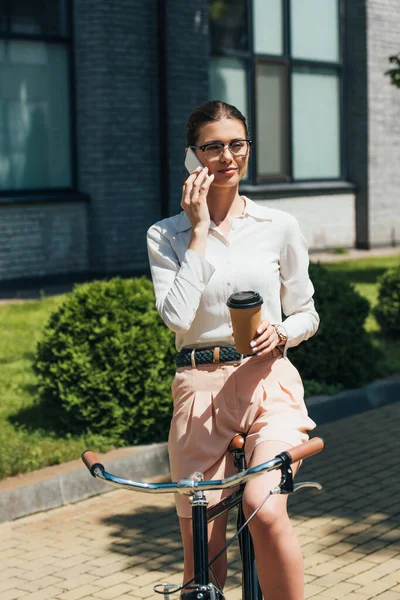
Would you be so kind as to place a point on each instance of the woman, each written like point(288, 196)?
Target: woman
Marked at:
point(223, 243)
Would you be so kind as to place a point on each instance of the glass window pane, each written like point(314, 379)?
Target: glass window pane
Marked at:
point(40, 17)
point(35, 140)
point(316, 125)
point(268, 32)
point(228, 82)
point(272, 120)
point(315, 29)
point(228, 25)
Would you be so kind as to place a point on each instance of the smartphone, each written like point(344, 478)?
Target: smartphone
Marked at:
point(191, 160)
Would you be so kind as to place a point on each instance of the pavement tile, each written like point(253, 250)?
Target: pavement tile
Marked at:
point(49, 593)
point(9, 583)
point(353, 596)
point(338, 591)
point(41, 583)
point(341, 548)
point(383, 555)
point(389, 566)
point(13, 594)
point(78, 593)
point(357, 567)
point(71, 583)
point(378, 587)
point(114, 592)
point(323, 569)
point(114, 579)
point(331, 579)
point(311, 590)
point(316, 559)
point(365, 578)
point(349, 557)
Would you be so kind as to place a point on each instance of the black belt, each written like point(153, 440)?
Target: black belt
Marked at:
point(190, 357)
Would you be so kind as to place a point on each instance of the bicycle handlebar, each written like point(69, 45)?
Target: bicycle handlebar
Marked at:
point(305, 450)
point(91, 461)
point(191, 485)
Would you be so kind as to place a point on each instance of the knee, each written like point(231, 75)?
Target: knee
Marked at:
point(272, 516)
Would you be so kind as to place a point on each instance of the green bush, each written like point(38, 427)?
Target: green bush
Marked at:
point(341, 352)
point(387, 311)
point(106, 362)
point(318, 388)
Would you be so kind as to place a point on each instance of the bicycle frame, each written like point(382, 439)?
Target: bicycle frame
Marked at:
point(250, 586)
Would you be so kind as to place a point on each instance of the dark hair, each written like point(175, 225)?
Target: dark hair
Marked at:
point(214, 110)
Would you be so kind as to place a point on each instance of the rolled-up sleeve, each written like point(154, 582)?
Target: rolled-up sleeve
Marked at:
point(296, 288)
point(178, 287)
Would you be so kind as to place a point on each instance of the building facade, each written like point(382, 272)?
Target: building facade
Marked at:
point(93, 103)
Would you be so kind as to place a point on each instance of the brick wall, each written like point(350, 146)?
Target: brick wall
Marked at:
point(117, 127)
point(122, 146)
point(187, 81)
point(42, 239)
point(383, 20)
point(327, 222)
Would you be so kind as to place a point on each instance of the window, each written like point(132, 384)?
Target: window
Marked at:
point(35, 123)
point(280, 62)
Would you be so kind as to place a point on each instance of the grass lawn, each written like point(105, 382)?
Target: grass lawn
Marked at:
point(364, 274)
point(27, 441)
point(34, 445)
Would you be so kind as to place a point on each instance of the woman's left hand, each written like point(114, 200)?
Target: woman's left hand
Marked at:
point(266, 339)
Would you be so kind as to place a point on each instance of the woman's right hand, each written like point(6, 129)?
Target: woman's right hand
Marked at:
point(194, 199)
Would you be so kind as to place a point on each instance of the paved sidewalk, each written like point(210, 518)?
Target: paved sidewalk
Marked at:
point(116, 546)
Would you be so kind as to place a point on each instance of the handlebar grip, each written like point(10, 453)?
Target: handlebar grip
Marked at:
point(91, 461)
point(307, 449)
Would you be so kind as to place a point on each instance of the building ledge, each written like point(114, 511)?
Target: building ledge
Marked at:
point(47, 197)
point(297, 190)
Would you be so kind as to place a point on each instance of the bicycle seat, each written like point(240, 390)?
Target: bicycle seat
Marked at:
point(237, 442)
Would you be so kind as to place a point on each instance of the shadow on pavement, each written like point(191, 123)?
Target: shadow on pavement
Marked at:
point(151, 536)
point(358, 510)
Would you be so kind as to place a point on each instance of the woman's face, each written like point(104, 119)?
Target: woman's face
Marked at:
point(228, 169)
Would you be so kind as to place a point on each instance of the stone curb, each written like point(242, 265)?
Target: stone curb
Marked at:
point(70, 482)
point(325, 409)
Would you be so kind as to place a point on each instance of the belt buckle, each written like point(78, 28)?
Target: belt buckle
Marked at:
point(216, 354)
point(192, 357)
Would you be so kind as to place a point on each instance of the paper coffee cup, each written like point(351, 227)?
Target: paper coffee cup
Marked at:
point(245, 309)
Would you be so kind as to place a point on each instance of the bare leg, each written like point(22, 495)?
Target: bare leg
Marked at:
point(278, 553)
point(216, 540)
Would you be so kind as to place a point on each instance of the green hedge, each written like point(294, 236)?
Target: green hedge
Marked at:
point(387, 311)
point(341, 352)
point(106, 363)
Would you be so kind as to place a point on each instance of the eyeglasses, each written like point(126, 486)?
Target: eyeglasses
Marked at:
point(214, 150)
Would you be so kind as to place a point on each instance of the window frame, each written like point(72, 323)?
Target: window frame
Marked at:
point(289, 63)
point(67, 41)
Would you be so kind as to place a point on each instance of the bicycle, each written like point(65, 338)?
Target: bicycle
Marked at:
point(200, 587)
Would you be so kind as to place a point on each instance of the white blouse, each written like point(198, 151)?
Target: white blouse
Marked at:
point(264, 252)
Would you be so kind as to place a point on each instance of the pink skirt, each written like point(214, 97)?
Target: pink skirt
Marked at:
point(262, 397)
